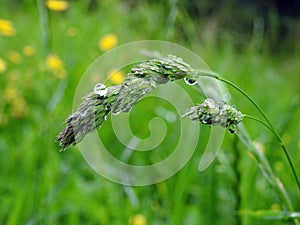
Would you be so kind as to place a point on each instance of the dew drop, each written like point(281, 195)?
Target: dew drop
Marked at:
point(210, 103)
point(108, 107)
point(100, 89)
point(190, 81)
point(115, 112)
point(165, 67)
point(232, 129)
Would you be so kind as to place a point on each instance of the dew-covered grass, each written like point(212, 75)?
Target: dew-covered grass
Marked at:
point(41, 63)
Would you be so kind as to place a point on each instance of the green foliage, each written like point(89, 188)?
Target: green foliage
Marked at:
point(39, 185)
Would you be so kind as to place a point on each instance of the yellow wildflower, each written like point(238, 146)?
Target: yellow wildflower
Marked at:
point(14, 57)
point(6, 28)
point(138, 219)
point(108, 42)
point(10, 93)
point(56, 66)
point(57, 5)
point(28, 50)
point(53, 62)
point(116, 76)
point(2, 65)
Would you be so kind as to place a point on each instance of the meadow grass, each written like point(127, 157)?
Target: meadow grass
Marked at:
point(39, 185)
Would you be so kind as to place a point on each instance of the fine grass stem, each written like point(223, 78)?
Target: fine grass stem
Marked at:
point(267, 171)
point(289, 116)
point(270, 126)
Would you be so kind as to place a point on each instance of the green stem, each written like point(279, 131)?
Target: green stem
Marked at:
point(266, 125)
point(270, 126)
point(218, 77)
point(282, 190)
point(281, 144)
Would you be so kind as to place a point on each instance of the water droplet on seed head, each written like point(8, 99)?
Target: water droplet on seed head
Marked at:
point(100, 89)
point(190, 81)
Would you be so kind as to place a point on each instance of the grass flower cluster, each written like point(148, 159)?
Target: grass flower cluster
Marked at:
point(90, 115)
point(143, 78)
point(146, 76)
point(216, 113)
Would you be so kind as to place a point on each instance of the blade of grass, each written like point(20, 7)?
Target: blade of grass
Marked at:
point(266, 170)
point(44, 25)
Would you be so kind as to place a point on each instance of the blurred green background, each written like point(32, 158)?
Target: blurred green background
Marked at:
point(45, 47)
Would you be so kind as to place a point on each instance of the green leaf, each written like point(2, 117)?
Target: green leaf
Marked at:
point(272, 214)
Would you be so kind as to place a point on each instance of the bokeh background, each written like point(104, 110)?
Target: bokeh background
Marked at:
point(45, 47)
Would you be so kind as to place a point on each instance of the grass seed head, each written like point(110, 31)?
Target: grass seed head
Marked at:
point(215, 113)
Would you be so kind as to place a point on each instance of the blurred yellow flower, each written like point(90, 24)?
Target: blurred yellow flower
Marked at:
point(28, 50)
point(6, 28)
point(137, 219)
point(57, 5)
point(10, 93)
point(14, 57)
point(56, 66)
point(108, 42)
point(2, 65)
point(19, 108)
point(53, 62)
point(116, 76)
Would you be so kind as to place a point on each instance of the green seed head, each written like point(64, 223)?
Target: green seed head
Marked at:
point(95, 108)
point(92, 112)
point(216, 113)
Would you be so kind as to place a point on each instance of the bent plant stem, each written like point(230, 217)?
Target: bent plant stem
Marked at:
point(279, 187)
point(268, 173)
point(270, 126)
point(282, 190)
